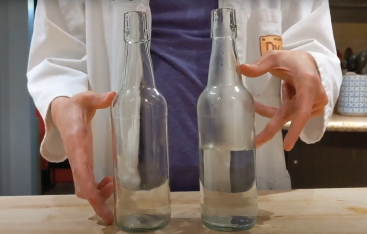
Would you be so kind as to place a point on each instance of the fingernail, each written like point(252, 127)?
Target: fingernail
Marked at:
point(112, 93)
point(110, 218)
point(108, 215)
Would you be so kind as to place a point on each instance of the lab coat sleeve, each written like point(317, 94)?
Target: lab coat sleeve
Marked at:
point(57, 63)
point(313, 33)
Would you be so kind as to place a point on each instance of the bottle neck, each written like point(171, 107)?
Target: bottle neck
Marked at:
point(138, 66)
point(224, 68)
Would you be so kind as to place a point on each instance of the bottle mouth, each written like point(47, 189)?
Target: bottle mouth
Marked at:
point(136, 27)
point(224, 23)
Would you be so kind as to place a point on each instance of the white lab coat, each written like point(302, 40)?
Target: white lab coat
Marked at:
point(78, 46)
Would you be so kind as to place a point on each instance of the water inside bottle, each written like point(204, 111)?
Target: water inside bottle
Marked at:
point(143, 210)
point(228, 189)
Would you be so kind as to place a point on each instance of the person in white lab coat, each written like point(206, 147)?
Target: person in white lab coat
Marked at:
point(75, 67)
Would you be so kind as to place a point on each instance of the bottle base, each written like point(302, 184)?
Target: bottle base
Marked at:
point(229, 224)
point(142, 223)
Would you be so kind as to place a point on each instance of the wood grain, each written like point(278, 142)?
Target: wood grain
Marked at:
point(299, 211)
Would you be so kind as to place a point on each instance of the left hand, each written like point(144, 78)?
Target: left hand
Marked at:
point(72, 117)
point(303, 98)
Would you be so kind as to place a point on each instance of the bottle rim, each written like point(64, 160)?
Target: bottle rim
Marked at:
point(136, 27)
point(223, 23)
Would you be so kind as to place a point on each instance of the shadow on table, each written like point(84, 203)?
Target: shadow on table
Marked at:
point(176, 226)
point(271, 192)
point(190, 226)
point(195, 226)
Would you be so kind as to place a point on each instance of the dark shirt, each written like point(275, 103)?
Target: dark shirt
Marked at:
point(180, 49)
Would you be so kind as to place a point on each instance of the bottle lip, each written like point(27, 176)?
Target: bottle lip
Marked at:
point(223, 23)
point(136, 27)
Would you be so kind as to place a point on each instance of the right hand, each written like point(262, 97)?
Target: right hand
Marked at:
point(72, 116)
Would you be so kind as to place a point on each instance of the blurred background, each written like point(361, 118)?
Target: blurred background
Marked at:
point(338, 160)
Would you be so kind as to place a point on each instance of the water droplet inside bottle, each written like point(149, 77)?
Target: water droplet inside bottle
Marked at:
point(220, 96)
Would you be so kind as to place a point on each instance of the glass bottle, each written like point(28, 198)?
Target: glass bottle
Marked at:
point(226, 117)
point(140, 138)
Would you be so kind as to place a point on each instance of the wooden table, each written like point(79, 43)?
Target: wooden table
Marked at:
point(333, 211)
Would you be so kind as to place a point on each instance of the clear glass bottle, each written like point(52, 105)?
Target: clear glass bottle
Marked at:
point(140, 138)
point(226, 116)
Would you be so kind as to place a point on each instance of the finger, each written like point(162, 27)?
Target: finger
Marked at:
point(85, 178)
point(318, 112)
point(265, 111)
point(261, 66)
point(299, 120)
point(100, 207)
point(322, 99)
point(79, 146)
point(100, 100)
point(107, 191)
point(287, 92)
point(104, 182)
point(274, 126)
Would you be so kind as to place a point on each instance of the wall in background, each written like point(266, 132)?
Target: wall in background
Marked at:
point(352, 35)
point(17, 119)
point(4, 103)
point(350, 24)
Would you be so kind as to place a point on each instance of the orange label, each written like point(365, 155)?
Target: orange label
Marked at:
point(268, 43)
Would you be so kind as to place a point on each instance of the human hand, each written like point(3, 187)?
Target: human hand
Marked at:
point(72, 117)
point(304, 96)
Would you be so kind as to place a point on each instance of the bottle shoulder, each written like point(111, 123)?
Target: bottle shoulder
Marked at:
point(144, 95)
point(226, 91)
point(226, 97)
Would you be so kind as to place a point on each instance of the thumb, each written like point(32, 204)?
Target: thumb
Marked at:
point(263, 65)
point(101, 100)
point(265, 111)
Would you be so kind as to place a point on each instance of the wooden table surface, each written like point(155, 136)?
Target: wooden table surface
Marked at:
point(299, 211)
